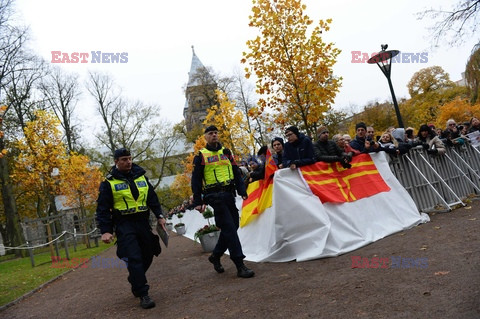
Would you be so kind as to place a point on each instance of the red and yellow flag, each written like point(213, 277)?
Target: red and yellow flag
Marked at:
point(335, 184)
point(259, 193)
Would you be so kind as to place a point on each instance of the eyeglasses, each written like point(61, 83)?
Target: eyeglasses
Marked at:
point(288, 134)
point(452, 124)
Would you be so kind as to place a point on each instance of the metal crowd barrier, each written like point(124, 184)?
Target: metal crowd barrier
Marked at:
point(439, 182)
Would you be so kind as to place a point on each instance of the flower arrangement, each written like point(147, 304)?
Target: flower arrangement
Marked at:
point(179, 215)
point(205, 230)
point(210, 228)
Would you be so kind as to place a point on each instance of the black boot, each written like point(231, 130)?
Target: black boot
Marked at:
point(146, 302)
point(215, 260)
point(244, 272)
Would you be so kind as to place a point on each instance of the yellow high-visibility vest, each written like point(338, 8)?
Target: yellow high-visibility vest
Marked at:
point(123, 200)
point(218, 168)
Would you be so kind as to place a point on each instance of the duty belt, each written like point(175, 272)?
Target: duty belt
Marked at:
point(130, 211)
point(219, 187)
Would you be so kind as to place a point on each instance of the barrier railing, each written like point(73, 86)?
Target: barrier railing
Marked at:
point(439, 182)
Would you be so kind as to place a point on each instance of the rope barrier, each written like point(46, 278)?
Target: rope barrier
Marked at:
point(77, 234)
point(37, 246)
point(52, 241)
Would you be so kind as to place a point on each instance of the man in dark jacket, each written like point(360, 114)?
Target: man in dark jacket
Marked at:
point(328, 151)
point(216, 176)
point(123, 206)
point(361, 142)
point(298, 149)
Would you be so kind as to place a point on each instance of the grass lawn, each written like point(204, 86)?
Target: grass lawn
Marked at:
point(17, 276)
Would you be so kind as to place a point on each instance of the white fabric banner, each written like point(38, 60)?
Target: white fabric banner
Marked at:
point(299, 227)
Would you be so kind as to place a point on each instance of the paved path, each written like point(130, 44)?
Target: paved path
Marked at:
point(184, 285)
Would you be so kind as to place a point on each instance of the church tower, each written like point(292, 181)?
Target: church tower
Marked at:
point(199, 93)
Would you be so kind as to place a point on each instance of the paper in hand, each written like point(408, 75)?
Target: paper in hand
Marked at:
point(163, 234)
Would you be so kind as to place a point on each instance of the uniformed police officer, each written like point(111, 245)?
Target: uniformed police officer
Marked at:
point(124, 200)
point(216, 176)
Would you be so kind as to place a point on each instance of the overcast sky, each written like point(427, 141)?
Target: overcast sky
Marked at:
point(158, 35)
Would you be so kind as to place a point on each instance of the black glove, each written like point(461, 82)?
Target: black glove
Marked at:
point(425, 146)
point(432, 151)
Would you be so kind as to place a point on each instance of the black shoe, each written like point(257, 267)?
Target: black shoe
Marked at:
point(244, 272)
point(146, 302)
point(216, 263)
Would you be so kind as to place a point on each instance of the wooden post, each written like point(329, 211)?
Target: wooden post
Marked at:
point(87, 237)
point(49, 235)
point(65, 242)
point(74, 239)
point(30, 252)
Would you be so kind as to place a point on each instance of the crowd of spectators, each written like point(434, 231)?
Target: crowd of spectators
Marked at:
point(298, 149)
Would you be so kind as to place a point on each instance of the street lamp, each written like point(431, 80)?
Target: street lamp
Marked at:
point(384, 61)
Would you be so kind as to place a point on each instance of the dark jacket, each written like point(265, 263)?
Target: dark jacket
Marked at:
point(327, 151)
point(278, 158)
point(106, 218)
point(299, 152)
point(258, 173)
point(359, 144)
point(199, 167)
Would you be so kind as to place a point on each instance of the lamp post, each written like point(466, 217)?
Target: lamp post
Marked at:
point(384, 61)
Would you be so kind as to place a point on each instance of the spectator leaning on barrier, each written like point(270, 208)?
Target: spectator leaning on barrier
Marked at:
point(298, 150)
point(474, 125)
point(277, 146)
point(388, 143)
point(257, 170)
point(340, 141)
point(429, 141)
point(400, 136)
point(361, 142)
point(452, 134)
point(328, 151)
point(370, 133)
point(124, 203)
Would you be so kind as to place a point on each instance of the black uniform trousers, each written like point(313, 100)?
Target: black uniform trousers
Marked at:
point(134, 243)
point(227, 219)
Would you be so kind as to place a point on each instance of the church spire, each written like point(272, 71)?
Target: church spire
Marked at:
point(196, 64)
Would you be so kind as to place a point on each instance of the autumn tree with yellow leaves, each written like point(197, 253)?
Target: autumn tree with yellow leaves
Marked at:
point(231, 124)
point(293, 68)
point(458, 109)
point(180, 187)
point(429, 88)
point(79, 183)
point(37, 168)
point(43, 170)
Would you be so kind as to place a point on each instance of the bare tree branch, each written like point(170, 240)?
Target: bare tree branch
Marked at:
point(455, 25)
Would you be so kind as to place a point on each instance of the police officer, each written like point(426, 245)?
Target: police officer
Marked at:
point(215, 176)
point(124, 200)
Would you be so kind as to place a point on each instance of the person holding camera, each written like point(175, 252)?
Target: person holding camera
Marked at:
point(326, 150)
point(361, 142)
point(429, 141)
point(452, 134)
